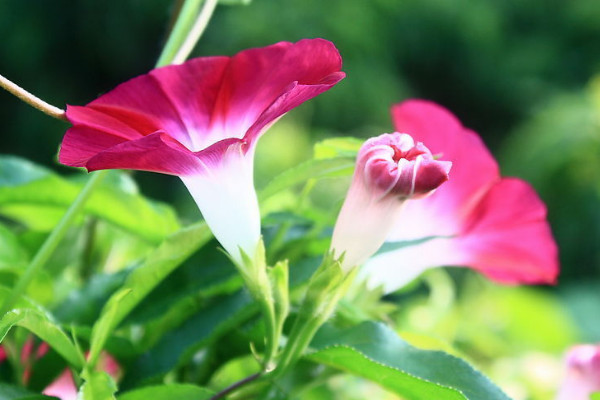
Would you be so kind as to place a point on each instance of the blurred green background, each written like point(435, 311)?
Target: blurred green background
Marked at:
point(522, 73)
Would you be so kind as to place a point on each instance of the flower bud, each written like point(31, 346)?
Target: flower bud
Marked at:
point(583, 373)
point(390, 169)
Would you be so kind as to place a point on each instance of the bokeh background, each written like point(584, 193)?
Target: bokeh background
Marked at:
point(525, 74)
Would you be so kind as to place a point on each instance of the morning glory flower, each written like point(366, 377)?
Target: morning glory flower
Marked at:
point(494, 225)
point(200, 121)
point(390, 169)
point(582, 376)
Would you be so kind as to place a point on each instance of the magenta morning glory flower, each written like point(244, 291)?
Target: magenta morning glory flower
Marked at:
point(200, 121)
point(390, 169)
point(477, 219)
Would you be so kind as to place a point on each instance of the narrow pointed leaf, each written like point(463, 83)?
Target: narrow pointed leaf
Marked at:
point(40, 324)
point(158, 265)
point(311, 169)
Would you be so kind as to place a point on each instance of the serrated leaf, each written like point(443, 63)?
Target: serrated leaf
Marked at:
point(375, 352)
point(158, 265)
point(28, 190)
point(311, 169)
point(168, 392)
point(40, 324)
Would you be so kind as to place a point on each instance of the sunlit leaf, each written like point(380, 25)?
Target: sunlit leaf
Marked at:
point(375, 352)
point(98, 385)
point(12, 253)
point(311, 169)
point(42, 326)
point(338, 147)
point(168, 392)
point(28, 190)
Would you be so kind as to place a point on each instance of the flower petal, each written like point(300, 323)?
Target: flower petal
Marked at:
point(203, 101)
point(256, 78)
point(177, 99)
point(507, 237)
point(473, 170)
point(157, 152)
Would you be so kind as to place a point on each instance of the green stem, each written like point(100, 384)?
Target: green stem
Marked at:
point(52, 241)
point(180, 32)
point(197, 29)
point(260, 289)
point(303, 331)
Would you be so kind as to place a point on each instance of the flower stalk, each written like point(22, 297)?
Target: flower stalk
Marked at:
point(269, 287)
point(181, 29)
point(325, 288)
point(32, 100)
point(196, 31)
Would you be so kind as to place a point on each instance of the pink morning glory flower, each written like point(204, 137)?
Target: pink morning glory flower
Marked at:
point(390, 169)
point(200, 121)
point(477, 219)
point(582, 373)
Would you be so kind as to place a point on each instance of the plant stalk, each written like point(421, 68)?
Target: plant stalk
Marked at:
point(32, 100)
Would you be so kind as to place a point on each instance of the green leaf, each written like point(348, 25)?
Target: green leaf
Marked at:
point(98, 385)
point(103, 328)
point(83, 306)
point(158, 265)
point(374, 351)
point(42, 326)
point(338, 147)
point(595, 396)
point(311, 169)
point(212, 321)
point(235, 2)
point(169, 392)
point(10, 392)
point(12, 254)
point(38, 197)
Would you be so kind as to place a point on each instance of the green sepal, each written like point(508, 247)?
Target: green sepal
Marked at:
point(280, 277)
point(254, 273)
point(98, 385)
